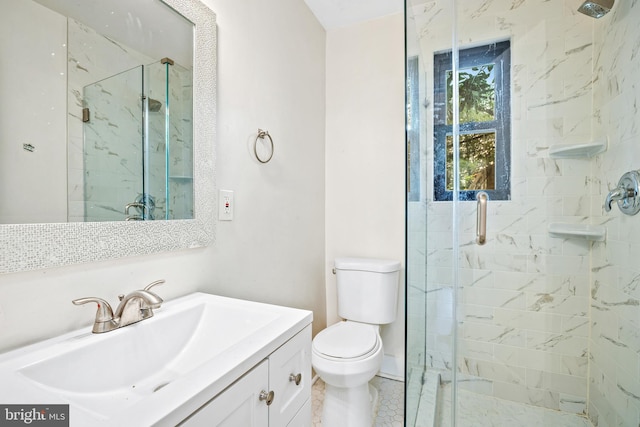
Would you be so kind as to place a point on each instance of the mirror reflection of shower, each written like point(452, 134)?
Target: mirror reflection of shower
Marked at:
point(138, 145)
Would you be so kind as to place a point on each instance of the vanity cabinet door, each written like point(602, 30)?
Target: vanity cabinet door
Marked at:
point(289, 364)
point(238, 405)
point(303, 417)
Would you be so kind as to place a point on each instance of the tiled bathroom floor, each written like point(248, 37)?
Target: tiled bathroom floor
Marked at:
point(390, 408)
point(475, 410)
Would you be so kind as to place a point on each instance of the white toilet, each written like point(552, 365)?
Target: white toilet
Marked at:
point(347, 355)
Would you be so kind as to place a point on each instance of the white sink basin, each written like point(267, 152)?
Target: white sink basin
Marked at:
point(155, 371)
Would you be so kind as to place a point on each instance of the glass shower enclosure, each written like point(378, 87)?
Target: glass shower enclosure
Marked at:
point(533, 104)
point(138, 145)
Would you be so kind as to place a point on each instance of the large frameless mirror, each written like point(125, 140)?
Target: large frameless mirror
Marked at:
point(106, 123)
point(96, 113)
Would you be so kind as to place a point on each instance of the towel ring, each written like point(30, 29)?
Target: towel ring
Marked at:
point(261, 135)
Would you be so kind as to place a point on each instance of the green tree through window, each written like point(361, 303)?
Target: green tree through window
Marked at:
point(476, 91)
point(484, 117)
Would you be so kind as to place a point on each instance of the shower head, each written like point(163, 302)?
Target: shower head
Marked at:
point(596, 8)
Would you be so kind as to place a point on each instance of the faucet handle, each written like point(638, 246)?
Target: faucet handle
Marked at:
point(104, 315)
point(152, 284)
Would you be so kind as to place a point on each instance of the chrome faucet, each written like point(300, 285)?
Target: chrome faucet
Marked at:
point(134, 307)
point(141, 207)
point(137, 205)
point(145, 204)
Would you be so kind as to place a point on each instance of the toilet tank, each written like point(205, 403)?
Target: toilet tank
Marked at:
point(367, 289)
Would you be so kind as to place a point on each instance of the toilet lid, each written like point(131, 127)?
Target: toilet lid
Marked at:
point(346, 340)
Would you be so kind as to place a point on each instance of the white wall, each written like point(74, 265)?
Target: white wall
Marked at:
point(365, 200)
point(39, 58)
point(271, 75)
point(273, 251)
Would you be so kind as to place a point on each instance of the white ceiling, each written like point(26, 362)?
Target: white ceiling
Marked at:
point(342, 13)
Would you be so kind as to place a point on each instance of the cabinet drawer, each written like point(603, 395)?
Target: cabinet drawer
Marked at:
point(291, 361)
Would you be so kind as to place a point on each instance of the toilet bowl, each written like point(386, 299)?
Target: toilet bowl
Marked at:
point(347, 356)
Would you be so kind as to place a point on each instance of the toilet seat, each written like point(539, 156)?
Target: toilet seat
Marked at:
point(347, 341)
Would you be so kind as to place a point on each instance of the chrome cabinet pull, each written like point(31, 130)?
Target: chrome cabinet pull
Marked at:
point(267, 396)
point(295, 378)
point(481, 220)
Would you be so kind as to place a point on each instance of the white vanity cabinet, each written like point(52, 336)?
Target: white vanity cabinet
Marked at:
point(201, 360)
point(274, 393)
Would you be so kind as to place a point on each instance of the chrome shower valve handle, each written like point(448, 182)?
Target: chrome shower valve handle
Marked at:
point(626, 194)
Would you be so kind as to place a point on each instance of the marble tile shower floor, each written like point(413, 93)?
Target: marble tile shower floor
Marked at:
point(389, 410)
point(478, 410)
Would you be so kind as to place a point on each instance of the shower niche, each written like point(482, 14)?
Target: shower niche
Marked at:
point(137, 151)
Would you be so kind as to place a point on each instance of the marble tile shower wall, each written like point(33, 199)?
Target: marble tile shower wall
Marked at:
point(181, 142)
point(93, 57)
point(524, 295)
point(614, 392)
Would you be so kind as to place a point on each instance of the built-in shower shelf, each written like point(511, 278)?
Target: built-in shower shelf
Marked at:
point(578, 231)
point(183, 178)
point(577, 151)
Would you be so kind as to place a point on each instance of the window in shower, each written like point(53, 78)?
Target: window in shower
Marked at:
point(484, 122)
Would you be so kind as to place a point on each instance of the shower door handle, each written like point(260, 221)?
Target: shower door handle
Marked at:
point(481, 219)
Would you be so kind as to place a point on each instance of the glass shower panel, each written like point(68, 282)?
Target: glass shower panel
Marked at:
point(416, 250)
point(522, 298)
point(169, 145)
point(180, 135)
point(155, 145)
point(430, 278)
point(113, 134)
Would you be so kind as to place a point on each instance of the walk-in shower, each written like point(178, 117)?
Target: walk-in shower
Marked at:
point(534, 104)
point(138, 151)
